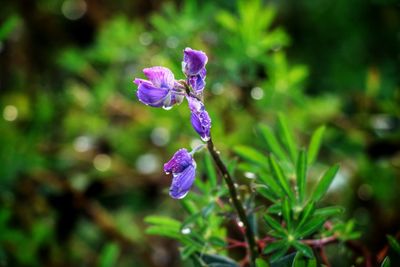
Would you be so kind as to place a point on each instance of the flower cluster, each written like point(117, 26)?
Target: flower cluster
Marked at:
point(162, 90)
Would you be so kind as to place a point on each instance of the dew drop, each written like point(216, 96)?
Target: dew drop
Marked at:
point(186, 231)
point(167, 107)
point(250, 175)
point(205, 138)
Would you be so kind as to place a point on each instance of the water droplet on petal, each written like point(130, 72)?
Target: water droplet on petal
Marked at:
point(167, 107)
point(205, 138)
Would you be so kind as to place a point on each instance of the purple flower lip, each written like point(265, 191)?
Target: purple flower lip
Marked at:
point(183, 168)
point(160, 90)
point(200, 119)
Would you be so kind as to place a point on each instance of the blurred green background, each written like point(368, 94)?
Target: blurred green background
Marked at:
point(81, 158)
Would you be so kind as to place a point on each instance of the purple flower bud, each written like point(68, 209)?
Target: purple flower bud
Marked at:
point(193, 61)
point(160, 90)
point(183, 168)
point(193, 66)
point(200, 119)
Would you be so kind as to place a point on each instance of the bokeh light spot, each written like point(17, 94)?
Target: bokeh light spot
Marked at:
point(146, 38)
point(257, 93)
point(217, 89)
point(83, 143)
point(147, 163)
point(74, 9)
point(160, 136)
point(102, 162)
point(10, 113)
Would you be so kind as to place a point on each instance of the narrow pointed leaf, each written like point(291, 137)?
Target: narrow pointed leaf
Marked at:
point(307, 212)
point(394, 243)
point(329, 211)
point(287, 136)
point(301, 261)
point(276, 245)
point(272, 142)
point(315, 144)
point(286, 211)
point(272, 184)
point(280, 177)
point(163, 221)
point(251, 155)
point(386, 262)
point(280, 253)
point(310, 227)
point(301, 174)
point(267, 193)
point(210, 170)
point(274, 225)
point(261, 263)
point(324, 183)
point(304, 249)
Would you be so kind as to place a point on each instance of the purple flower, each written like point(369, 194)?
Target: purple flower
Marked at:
point(161, 90)
point(200, 119)
point(183, 169)
point(193, 66)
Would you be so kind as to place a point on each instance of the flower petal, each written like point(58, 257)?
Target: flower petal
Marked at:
point(160, 76)
point(200, 119)
point(182, 182)
point(197, 83)
point(179, 162)
point(193, 61)
point(150, 95)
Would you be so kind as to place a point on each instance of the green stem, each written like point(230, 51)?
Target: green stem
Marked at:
point(252, 246)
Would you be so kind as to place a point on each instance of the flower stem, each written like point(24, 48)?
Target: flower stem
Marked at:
point(252, 245)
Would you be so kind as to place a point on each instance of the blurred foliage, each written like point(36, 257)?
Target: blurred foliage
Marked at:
point(81, 158)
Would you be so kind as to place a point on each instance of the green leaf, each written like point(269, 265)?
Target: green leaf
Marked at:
point(210, 170)
point(8, 26)
point(286, 211)
point(315, 144)
point(307, 212)
point(310, 227)
point(261, 263)
point(267, 193)
point(324, 183)
point(272, 142)
point(216, 241)
point(272, 184)
point(386, 262)
point(162, 231)
point(188, 251)
point(280, 177)
point(217, 260)
point(301, 261)
point(329, 211)
point(301, 173)
point(275, 208)
point(109, 255)
point(276, 245)
point(285, 261)
point(251, 155)
point(280, 253)
point(304, 249)
point(164, 221)
point(271, 222)
point(189, 206)
point(393, 243)
point(287, 136)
